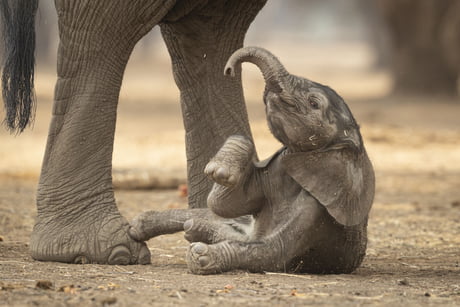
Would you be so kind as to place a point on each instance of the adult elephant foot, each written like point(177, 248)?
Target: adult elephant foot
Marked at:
point(78, 221)
point(100, 238)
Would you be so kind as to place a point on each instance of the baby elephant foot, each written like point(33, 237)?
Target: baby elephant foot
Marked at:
point(153, 223)
point(228, 165)
point(204, 259)
point(142, 227)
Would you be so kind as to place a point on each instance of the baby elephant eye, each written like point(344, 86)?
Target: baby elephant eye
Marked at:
point(314, 101)
point(314, 104)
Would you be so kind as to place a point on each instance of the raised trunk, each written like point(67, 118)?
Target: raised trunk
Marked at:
point(271, 68)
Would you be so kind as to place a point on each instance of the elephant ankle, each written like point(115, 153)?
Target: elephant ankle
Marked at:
point(104, 241)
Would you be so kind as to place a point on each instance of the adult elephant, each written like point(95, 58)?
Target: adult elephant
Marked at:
point(77, 219)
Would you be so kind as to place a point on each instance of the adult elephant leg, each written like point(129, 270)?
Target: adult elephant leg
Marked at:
point(212, 105)
point(78, 220)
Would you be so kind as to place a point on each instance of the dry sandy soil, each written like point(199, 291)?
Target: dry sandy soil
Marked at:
point(414, 228)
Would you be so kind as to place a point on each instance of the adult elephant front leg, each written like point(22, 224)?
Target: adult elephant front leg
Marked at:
point(212, 105)
point(78, 220)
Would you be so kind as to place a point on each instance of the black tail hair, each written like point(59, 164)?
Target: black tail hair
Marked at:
point(18, 25)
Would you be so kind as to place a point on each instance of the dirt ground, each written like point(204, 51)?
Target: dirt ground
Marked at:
point(414, 229)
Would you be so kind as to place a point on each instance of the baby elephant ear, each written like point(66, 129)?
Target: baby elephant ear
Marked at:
point(341, 181)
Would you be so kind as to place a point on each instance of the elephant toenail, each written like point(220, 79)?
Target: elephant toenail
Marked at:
point(188, 237)
point(120, 255)
point(134, 233)
point(222, 173)
point(81, 260)
point(209, 167)
point(200, 248)
point(144, 255)
point(188, 225)
point(231, 180)
point(204, 261)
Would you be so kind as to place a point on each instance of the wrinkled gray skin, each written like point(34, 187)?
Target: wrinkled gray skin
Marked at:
point(305, 209)
point(78, 220)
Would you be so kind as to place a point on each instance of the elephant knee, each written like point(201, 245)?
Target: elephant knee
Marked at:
point(221, 208)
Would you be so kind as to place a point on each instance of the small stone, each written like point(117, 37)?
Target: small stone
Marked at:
point(112, 286)
point(44, 284)
point(176, 294)
point(403, 282)
point(229, 287)
point(69, 289)
point(108, 301)
point(427, 294)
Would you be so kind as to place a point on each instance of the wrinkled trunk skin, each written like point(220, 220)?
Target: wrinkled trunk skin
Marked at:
point(212, 104)
point(78, 220)
point(421, 64)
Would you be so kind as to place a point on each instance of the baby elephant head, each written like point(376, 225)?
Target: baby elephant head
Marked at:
point(302, 114)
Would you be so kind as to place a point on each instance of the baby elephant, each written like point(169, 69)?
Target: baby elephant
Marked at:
point(309, 202)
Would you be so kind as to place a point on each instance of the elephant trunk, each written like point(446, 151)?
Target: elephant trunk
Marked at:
point(271, 68)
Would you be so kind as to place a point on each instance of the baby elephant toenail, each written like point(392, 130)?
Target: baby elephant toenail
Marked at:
point(120, 255)
point(210, 168)
point(134, 233)
point(231, 180)
point(222, 173)
point(204, 261)
point(199, 248)
point(188, 225)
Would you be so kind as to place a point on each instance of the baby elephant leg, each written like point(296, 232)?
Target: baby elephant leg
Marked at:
point(228, 166)
point(199, 225)
point(231, 255)
point(274, 251)
point(150, 224)
point(235, 192)
point(218, 229)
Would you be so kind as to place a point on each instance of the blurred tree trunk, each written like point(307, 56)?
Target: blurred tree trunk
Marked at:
point(420, 50)
point(377, 34)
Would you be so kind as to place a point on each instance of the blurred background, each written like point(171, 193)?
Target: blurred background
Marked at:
point(396, 63)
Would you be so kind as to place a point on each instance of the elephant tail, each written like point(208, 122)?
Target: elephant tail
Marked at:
point(17, 18)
